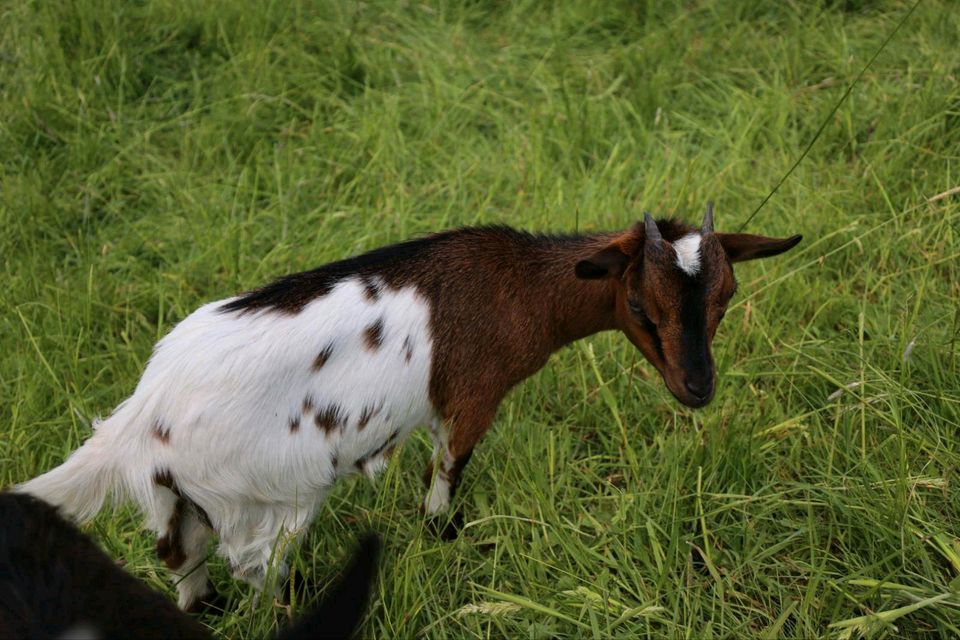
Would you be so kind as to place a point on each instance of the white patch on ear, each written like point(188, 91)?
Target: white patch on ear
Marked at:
point(688, 253)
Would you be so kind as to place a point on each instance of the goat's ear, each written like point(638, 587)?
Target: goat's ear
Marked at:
point(741, 247)
point(609, 262)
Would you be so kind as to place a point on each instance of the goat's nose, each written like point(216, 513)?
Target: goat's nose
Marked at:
point(700, 388)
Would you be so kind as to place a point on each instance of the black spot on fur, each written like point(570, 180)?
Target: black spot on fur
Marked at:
point(292, 293)
point(294, 424)
point(329, 418)
point(407, 348)
point(373, 335)
point(322, 357)
point(308, 404)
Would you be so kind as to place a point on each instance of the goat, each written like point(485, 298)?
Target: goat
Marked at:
point(55, 583)
point(251, 407)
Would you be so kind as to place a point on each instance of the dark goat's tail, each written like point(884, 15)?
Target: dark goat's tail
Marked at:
point(341, 609)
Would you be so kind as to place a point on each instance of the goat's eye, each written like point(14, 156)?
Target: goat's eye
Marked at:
point(637, 309)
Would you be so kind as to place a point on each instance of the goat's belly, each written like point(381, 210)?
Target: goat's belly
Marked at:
point(273, 406)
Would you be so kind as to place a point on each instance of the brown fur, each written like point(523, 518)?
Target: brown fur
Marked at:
point(371, 290)
point(161, 432)
point(294, 424)
point(367, 414)
point(373, 335)
point(170, 546)
point(329, 418)
point(322, 357)
point(428, 474)
point(164, 478)
point(477, 361)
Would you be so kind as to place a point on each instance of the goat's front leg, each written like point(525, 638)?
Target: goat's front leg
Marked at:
point(453, 445)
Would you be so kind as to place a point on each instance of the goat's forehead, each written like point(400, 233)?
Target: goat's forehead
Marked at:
point(688, 256)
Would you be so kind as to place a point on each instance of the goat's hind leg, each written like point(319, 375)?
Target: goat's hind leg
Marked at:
point(183, 534)
point(195, 591)
point(258, 549)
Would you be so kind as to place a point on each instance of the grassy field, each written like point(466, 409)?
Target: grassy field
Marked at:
point(155, 156)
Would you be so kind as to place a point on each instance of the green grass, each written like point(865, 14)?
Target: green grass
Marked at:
point(159, 155)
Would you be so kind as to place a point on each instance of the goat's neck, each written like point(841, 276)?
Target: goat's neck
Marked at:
point(572, 308)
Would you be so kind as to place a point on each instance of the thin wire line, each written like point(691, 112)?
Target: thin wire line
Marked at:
point(826, 120)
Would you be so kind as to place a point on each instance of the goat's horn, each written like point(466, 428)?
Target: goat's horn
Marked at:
point(650, 228)
point(707, 226)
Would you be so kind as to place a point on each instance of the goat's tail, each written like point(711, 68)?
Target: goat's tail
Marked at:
point(80, 485)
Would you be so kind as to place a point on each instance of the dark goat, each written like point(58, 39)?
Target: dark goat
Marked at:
point(54, 581)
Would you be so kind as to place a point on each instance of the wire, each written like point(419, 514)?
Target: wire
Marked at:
point(826, 120)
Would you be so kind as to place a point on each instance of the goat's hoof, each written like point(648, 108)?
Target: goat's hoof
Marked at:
point(447, 528)
point(213, 603)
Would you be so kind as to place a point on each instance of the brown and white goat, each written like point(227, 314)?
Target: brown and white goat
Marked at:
point(252, 407)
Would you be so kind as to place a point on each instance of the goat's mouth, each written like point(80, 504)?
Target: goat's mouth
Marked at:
point(695, 397)
point(692, 401)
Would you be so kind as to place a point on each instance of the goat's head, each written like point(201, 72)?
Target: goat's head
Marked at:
point(673, 284)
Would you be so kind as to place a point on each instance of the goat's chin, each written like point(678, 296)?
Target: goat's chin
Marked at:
point(674, 383)
point(690, 400)
point(694, 403)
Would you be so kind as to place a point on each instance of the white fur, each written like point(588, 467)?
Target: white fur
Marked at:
point(226, 386)
point(437, 499)
point(688, 253)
